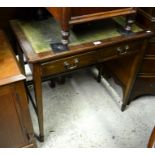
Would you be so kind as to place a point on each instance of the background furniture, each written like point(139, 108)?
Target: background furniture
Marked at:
point(101, 42)
point(15, 123)
point(68, 17)
point(145, 82)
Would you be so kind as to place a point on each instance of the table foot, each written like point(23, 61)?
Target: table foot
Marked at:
point(123, 108)
point(128, 103)
point(99, 79)
point(52, 84)
point(41, 138)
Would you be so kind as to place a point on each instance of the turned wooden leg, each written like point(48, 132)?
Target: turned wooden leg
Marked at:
point(102, 72)
point(129, 23)
point(127, 29)
point(38, 98)
point(63, 45)
point(99, 73)
point(52, 83)
point(65, 37)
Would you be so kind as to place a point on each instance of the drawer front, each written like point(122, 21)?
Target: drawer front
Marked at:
point(148, 65)
point(144, 86)
point(89, 58)
point(150, 49)
point(120, 50)
point(69, 63)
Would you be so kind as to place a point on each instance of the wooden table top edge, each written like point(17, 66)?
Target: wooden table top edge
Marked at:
point(12, 79)
point(77, 49)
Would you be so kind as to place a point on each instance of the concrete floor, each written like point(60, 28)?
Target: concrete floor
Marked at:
point(84, 113)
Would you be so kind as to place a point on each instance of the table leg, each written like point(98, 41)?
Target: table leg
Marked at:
point(99, 76)
point(21, 58)
point(151, 142)
point(135, 67)
point(38, 97)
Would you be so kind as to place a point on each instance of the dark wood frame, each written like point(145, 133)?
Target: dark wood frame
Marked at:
point(145, 82)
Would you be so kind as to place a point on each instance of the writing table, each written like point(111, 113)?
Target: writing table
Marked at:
point(90, 45)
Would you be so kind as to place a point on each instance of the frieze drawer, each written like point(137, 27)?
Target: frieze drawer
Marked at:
point(121, 49)
point(69, 63)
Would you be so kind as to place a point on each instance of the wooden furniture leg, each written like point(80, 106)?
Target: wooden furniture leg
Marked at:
point(135, 66)
point(52, 83)
point(124, 71)
point(63, 18)
point(131, 80)
point(38, 97)
point(129, 23)
point(65, 37)
point(151, 142)
point(21, 58)
point(127, 29)
point(100, 68)
point(60, 80)
point(65, 27)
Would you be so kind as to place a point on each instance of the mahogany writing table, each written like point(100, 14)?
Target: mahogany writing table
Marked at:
point(90, 45)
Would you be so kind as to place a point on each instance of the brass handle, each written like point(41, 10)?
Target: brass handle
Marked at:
point(69, 66)
point(127, 48)
point(120, 51)
point(124, 50)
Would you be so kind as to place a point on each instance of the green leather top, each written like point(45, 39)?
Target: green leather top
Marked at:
point(42, 33)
